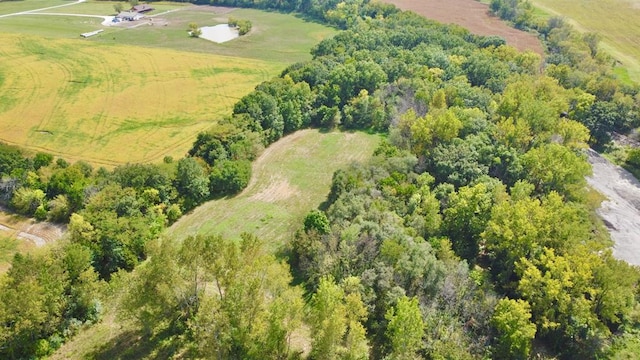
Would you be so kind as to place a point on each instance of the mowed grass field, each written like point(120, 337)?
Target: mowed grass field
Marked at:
point(9, 7)
point(131, 94)
point(617, 22)
point(292, 177)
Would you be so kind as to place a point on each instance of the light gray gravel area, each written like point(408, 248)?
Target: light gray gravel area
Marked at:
point(219, 33)
point(621, 211)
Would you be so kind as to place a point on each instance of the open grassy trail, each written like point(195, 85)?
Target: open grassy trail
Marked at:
point(290, 178)
point(617, 22)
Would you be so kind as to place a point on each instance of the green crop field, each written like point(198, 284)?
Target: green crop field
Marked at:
point(131, 94)
point(115, 104)
point(290, 179)
point(617, 22)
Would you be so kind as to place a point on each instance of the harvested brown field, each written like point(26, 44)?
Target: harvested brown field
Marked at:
point(474, 16)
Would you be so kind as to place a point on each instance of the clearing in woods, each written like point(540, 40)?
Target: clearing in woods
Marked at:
point(473, 15)
point(19, 234)
point(289, 179)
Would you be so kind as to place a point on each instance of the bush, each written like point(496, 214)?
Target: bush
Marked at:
point(194, 30)
point(633, 158)
point(230, 177)
point(243, 26)
point(173, 213)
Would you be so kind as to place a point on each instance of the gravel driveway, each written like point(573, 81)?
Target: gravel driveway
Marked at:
point(621, 212)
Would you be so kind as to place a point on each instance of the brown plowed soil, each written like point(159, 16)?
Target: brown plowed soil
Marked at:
point(474, 16)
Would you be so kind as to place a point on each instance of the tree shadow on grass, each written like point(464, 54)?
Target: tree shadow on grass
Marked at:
point(134, 345)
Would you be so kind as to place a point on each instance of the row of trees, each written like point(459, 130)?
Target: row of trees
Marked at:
point(577, 62)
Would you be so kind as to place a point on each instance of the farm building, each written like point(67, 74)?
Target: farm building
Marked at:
point(143, 8)
point(129, 16)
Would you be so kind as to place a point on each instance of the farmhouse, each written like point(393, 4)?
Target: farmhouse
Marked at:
point(143, 8)
point(130, 16)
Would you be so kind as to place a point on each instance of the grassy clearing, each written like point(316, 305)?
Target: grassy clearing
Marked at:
point(115, 104)
point(107, 7)
point(111, 339)
point(10, 7)
point(617, 21)
point(272, 207)
point(274, 37)
point(53, 26)
point(292, 177)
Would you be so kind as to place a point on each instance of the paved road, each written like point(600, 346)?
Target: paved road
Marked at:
point(621, 212)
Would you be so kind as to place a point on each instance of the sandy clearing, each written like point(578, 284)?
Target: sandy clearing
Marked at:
point(474, 16)
point(621, 212)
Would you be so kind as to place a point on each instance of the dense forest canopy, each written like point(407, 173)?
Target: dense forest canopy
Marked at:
point(470, 234)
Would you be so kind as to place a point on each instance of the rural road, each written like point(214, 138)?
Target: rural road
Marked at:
point(621, 212)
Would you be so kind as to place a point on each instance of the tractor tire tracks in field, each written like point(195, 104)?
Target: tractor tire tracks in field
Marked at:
point(38, 233)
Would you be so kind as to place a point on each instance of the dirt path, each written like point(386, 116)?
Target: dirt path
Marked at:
point(621, 212)
point(474, 16)
point(37, 233)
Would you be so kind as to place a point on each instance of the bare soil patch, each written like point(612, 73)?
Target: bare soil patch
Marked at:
point(621, 211)
point(278, 189)
point(474, 16)
point(36, 233)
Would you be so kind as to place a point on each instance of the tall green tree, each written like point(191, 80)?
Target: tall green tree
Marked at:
point(405, 329)
point(335, 319)
point(515, 330)
point(192, 182)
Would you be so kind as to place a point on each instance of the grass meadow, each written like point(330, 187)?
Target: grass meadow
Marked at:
point(9, 7)
point(291, 177)
point(115, 104)
point(132, 94)
point(617, 22)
